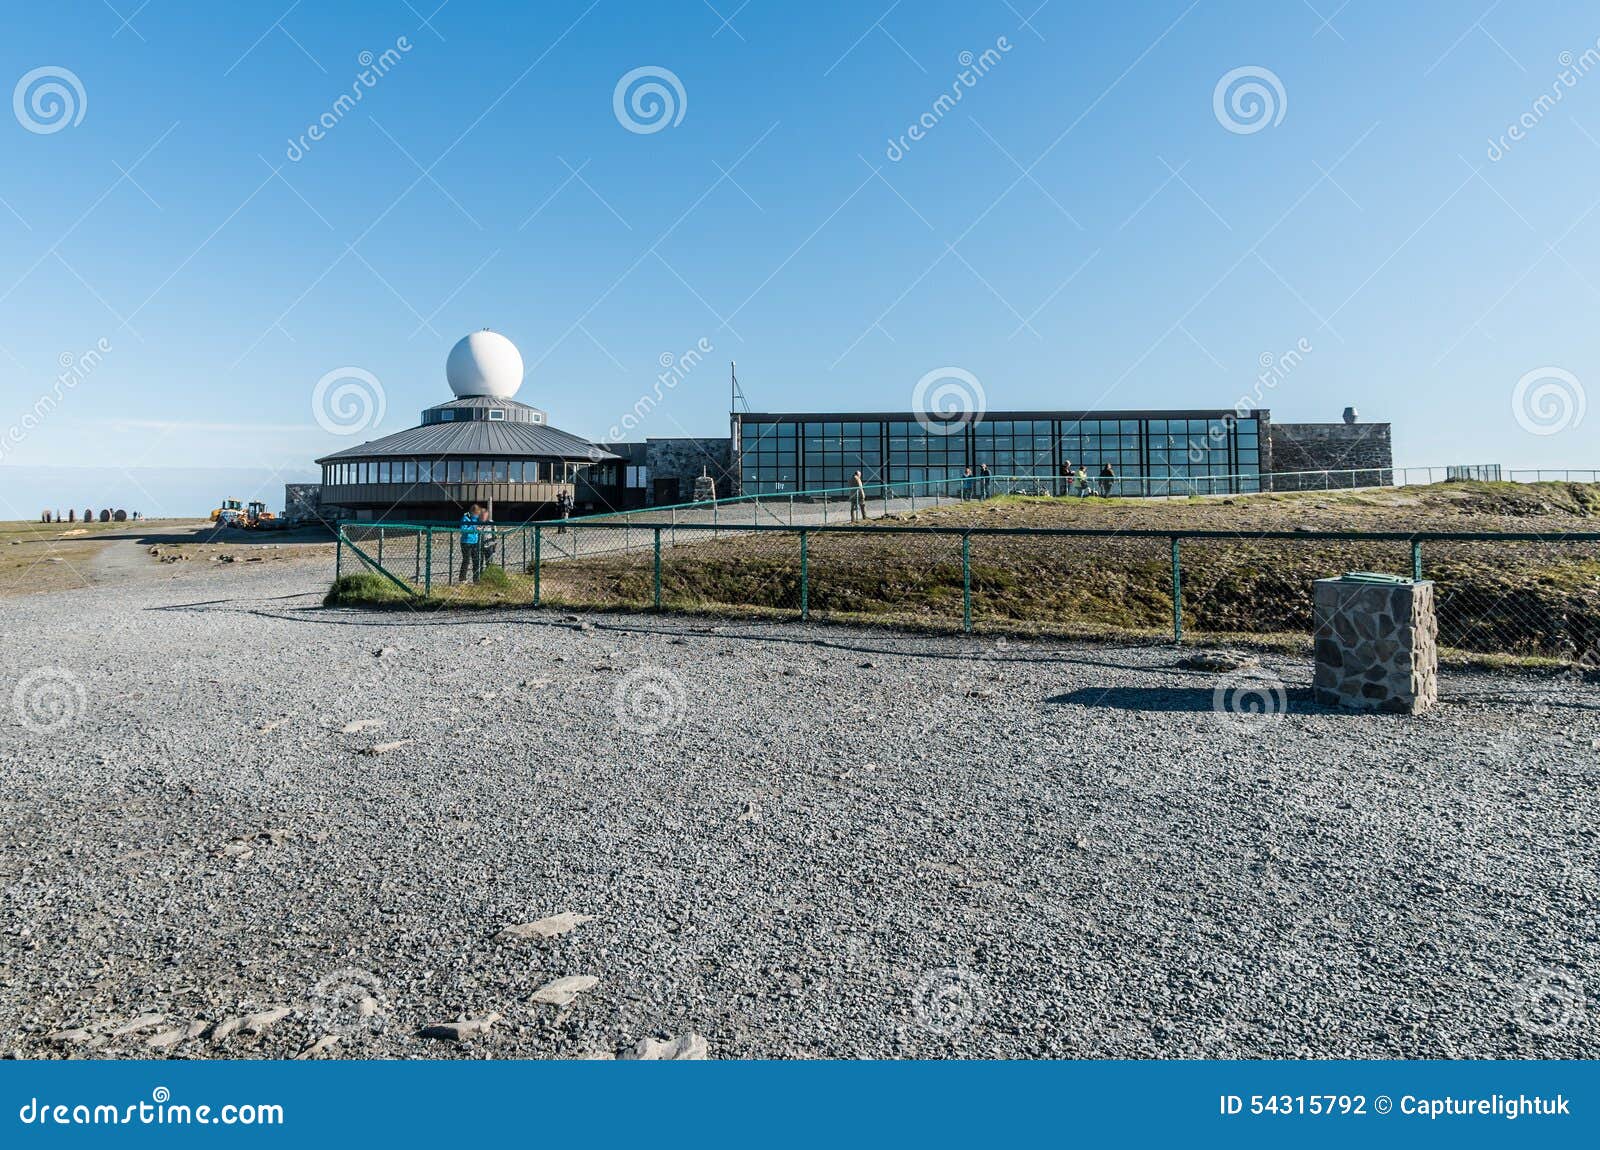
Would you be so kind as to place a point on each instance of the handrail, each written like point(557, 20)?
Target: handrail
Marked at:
point(957, 486)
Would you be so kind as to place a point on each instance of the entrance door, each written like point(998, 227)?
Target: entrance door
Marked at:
point(667, 492)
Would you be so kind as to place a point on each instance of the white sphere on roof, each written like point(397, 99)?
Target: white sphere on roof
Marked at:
point(484, 363)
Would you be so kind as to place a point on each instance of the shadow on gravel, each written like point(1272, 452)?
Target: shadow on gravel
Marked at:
point(981, 650)
point(1191, 699)
point(202, 604)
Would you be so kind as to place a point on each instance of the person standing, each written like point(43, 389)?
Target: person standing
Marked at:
point(486, 539)
point(564, 510)
point(1066, 477)
point(985, 481)
point(471, 548)
point(858, 497)
point(1083, 481)
point(1107, 477)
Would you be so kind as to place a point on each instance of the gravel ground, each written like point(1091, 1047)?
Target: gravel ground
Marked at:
point(793, 842)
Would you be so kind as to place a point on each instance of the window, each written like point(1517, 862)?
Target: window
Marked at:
point(409, 473)
point(446, 416)
point(638, 477)
point(495, 413)
point(452, 471)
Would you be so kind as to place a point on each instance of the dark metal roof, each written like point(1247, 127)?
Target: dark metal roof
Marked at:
point(479, 406)
point(483, 401)
point(477, 438)
point(988, 416)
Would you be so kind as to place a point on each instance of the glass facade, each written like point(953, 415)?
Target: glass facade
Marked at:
point(449, 471)
point(1152, 453)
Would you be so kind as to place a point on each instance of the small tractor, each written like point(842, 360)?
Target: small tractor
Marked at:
point(258, 518)
point(229, 514)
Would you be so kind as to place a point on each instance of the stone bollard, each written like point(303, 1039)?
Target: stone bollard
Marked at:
point(1377, 643)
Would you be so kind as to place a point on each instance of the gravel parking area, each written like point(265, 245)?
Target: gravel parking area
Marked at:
point(241, 825)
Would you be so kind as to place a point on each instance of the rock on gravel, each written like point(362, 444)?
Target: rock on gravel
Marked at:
point(460, 1030)
point(689, 1048)
point(1218, 661)
point(545, 927)
point(564, 990)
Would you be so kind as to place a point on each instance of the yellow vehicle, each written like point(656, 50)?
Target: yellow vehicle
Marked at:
point(259, 518)
point(230, 512)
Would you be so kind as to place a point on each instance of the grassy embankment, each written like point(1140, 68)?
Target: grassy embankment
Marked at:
point(1496, 598)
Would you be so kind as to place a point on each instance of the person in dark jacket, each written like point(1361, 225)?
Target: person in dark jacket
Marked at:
point(1107, 478)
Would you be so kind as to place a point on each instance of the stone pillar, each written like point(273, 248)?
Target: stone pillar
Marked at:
point(1376, 644)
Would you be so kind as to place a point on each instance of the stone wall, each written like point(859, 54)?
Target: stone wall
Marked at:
point(1364, 448)
point(302, 503)
point(682, 460)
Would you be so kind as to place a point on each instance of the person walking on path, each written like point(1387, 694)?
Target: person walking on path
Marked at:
point(858, 497)
point(471, 547)
point(1107, 478)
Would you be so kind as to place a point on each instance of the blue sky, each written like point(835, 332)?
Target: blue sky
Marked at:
point(1083, 229)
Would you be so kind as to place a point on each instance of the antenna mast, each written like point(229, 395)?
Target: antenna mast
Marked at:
point(736, 399)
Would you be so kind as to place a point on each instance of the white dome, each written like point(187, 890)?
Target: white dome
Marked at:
point(484, 363)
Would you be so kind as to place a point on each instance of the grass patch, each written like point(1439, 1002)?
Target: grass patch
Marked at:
point(363, 589)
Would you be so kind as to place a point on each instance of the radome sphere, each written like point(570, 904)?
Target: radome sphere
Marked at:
point(484, 363)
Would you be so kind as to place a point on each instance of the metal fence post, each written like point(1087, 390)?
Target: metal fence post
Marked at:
point(1416, 559)
point(338, 554)
point(538, 540)
point(380, 547)
point(658, 569)
point(1177, 593)
point(966, 581)
point(427, 574)
point(805, 580)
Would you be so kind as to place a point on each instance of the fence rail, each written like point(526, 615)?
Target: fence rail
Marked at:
point(1527, 595)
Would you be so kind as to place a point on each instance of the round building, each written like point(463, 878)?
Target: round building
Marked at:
point(480, 447)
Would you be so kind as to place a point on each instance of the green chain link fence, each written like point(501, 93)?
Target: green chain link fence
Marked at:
point(1524, 595)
